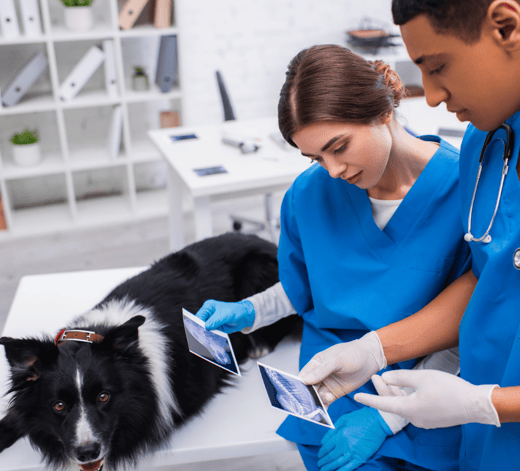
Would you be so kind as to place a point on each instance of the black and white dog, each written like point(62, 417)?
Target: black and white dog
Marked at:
point(107, 401)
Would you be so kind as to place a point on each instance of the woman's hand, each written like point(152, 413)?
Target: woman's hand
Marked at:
point(227, 317)
point(344, 367)
point(358, 435)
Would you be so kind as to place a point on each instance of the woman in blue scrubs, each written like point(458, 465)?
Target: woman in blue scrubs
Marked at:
point(358, 251)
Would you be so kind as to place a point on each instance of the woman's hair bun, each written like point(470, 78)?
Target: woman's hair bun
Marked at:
point(391, 80)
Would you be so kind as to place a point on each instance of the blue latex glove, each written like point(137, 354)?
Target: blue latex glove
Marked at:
point(358, 435)
point(227, 317)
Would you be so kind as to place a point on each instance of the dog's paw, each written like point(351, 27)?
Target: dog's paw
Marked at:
point(259, 351)
point(9, 431)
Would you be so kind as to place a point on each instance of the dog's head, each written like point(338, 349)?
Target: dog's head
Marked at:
point(82, 403)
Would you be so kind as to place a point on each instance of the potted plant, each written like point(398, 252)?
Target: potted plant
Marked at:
point(26, 147)
point(78, 14)
point(140, 79)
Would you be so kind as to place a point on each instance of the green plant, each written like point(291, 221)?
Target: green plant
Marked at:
point(77, 3)
point(25, 137)
point(139, 72)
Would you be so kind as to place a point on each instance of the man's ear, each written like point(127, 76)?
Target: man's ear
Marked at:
point(503, 21)
point(27, 358)
point(124, 336)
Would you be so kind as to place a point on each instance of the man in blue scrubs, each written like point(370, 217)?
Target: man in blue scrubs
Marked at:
point(469, 55)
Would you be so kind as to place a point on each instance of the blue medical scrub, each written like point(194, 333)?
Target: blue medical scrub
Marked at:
point(346, 277)
point(489, 336)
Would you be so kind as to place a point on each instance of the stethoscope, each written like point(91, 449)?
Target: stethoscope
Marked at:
point(508, 150)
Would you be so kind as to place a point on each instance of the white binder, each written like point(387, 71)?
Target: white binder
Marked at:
point(115, 130)
point(24, 80)
point(30, 11)
point(81, 73)
point(110, 68)
point(8, 19)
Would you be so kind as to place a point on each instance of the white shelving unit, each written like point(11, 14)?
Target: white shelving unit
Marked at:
point(77, 184)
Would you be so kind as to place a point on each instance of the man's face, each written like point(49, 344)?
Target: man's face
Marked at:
point(479, 81)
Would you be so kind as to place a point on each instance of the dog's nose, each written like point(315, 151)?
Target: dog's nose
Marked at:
point(88, 452)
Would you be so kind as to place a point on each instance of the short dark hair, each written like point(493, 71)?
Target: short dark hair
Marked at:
point(331, 83)
point(461, 18)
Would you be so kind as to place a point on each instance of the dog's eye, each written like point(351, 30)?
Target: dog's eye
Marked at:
point(59, 406)
point(103, 397)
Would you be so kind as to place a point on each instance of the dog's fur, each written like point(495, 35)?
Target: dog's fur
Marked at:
point(108, 403)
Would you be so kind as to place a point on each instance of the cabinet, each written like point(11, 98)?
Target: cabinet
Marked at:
point(77, 183)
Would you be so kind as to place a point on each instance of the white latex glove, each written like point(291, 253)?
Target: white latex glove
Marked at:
point(432, 399)
point(344, 367)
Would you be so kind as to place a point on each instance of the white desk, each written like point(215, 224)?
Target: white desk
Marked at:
point(239, 422)
point(270, 169)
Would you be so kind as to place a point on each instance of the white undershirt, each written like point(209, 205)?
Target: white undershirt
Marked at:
point(383, 210)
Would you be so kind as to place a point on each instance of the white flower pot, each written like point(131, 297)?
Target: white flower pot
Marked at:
point(27, 154)
point(79, 18)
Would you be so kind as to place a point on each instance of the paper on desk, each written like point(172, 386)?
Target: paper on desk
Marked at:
point(211, 345)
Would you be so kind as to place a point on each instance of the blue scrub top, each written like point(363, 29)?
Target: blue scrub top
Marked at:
point(346, 277)
point(489, 336)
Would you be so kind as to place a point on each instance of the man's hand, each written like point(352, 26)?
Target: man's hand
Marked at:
point(432, 399)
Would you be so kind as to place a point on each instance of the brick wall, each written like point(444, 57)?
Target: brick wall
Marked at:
point(251, 42)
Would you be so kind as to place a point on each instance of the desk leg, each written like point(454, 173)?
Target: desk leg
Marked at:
point(202, 215)
point(176, 217)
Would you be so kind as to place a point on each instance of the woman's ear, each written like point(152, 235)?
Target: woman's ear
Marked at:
point(387, 117)
point(503, 22)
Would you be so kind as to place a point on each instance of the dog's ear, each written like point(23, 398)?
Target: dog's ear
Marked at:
point(27, 358)
point(124, 336)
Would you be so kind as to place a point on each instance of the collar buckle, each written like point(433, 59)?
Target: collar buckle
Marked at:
point(86, 336)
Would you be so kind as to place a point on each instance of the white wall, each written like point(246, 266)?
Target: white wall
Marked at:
point(251, 42)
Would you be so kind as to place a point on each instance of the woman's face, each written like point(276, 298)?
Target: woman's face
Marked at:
point(357, 153)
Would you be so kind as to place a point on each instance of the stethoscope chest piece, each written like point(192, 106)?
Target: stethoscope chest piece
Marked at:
point(516, 259)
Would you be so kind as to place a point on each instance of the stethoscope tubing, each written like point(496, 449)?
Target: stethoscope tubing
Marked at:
point(508, 150)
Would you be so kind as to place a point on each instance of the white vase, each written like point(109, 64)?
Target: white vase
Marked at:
point(79, 18)
point(27, 154)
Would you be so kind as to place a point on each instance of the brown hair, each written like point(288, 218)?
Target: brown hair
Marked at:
point(331, 83)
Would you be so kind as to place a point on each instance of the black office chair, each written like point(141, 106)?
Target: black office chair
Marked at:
point(271, 223)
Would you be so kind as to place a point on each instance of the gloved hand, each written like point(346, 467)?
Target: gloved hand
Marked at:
point(437, 399)
point(228, 317)
point(358, 435)
point(344, 367)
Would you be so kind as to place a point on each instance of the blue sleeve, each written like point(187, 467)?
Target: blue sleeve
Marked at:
point(291, 261)
point(463, 263)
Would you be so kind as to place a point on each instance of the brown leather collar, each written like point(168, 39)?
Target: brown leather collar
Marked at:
point(78, 336)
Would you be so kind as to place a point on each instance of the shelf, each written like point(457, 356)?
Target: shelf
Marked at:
point(50, 164)
point(44, 219)
point(154, 94)
point(30, 103)
point(103, 210)
point(141, 31)
point(77, 183)
point(89, 99)
point(99, 32)
point(23, 40)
